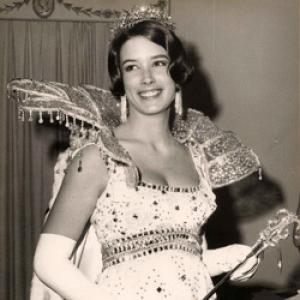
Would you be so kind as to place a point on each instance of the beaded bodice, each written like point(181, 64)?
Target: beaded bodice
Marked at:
point(133, 222)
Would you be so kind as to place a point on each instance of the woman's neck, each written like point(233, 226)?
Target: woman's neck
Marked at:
point(152, 130)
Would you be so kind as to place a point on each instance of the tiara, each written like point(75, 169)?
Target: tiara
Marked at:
point(142, 13)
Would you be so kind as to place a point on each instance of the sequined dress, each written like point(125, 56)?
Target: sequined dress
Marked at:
point(150, 237)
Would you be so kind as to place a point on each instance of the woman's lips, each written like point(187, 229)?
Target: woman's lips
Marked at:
point(150, 93)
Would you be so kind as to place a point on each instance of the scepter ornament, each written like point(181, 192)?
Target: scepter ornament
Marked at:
point(276, 230)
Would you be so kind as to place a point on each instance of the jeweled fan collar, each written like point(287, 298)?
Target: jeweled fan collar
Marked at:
point(227, 158)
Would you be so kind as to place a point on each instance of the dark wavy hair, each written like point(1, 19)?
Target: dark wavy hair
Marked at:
point(179, 68)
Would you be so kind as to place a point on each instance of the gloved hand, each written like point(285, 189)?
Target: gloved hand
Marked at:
point(248, 268)
point(224, 259)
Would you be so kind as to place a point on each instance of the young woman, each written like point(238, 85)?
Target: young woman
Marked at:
point(146, 189)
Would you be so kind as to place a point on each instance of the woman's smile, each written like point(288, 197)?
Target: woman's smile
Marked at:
point(148, 94)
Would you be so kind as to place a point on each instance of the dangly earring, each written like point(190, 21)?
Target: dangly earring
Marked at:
point(178, 103)
point(123, 109)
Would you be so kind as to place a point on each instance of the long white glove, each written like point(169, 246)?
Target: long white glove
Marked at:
point(224, 259)
point(53, 267)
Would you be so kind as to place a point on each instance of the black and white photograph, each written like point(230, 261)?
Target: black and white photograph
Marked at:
point(149, 150)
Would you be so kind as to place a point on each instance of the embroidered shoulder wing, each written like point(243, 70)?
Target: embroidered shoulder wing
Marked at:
point(75, 107)
point(59, 100)
point(228, 159)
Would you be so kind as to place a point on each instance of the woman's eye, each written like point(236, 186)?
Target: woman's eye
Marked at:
point(161, 63)
point(129, 68)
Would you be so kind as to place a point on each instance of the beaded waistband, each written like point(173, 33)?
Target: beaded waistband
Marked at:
point(148, 243)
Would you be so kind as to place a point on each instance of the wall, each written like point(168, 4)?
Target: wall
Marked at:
point(249, 52)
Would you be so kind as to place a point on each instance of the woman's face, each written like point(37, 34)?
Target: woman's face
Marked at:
point(148, 85)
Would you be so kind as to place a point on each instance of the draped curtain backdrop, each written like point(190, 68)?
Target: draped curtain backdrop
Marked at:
point(69, 52)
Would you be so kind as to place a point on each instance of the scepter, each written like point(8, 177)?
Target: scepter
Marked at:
point(276, 230)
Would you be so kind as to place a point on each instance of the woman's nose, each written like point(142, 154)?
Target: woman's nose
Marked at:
point(147, 76)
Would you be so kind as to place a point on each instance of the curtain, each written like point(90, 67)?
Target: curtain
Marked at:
point(69, 52)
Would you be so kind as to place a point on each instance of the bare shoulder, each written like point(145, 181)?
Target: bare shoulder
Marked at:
point(85, 180)
point(86, 177)
point(88, 166)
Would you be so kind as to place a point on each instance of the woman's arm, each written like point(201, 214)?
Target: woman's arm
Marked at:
point(73, 207)
point(53, 267)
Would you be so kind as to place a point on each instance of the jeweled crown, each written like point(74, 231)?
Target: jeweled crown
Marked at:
point(142, 13)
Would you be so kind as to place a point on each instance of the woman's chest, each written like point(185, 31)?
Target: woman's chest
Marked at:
point(122, 211)
point(174, 167)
